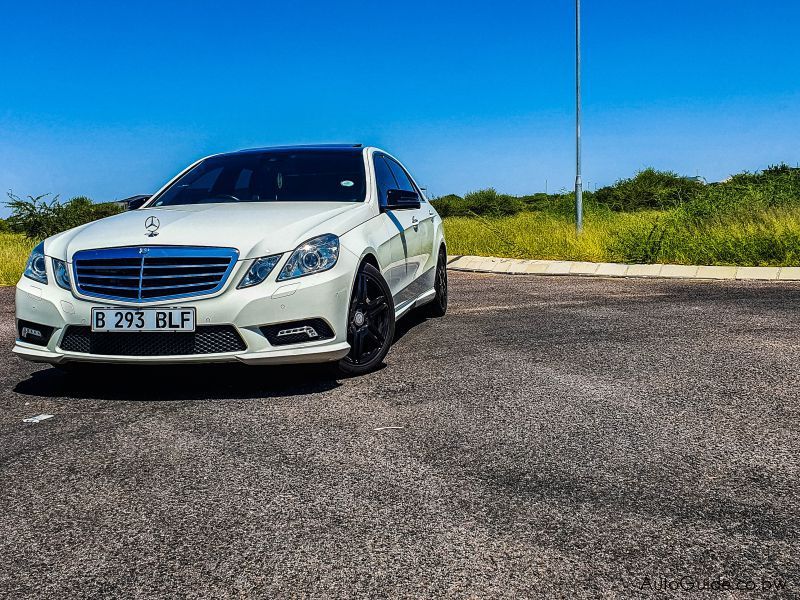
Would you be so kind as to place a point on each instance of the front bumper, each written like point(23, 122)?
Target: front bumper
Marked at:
point(323, 295)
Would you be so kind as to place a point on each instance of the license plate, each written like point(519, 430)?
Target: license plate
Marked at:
point(143, 319)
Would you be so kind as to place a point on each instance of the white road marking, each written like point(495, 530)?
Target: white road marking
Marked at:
point(37, 418)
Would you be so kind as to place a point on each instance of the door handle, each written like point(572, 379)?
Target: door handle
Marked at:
point(415, 223)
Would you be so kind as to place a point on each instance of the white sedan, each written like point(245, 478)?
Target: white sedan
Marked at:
point(265, 256)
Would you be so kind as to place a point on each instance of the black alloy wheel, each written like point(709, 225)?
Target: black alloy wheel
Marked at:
point(438, 306)
point(370, 322)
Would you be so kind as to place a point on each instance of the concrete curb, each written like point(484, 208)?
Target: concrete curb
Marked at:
point(515, 266)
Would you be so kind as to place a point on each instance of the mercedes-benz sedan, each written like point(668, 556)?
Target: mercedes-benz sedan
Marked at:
point(266, 256)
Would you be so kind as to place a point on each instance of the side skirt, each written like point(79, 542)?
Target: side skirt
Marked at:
point(420, 292)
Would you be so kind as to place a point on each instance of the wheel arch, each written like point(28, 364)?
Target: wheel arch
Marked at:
point(367, 257)
point(371, 259)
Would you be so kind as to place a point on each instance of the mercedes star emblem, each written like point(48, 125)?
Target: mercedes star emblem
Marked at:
point(152, 224)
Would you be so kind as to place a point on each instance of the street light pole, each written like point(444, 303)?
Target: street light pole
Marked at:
point(578, 182)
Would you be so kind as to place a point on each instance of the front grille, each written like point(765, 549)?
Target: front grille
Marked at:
point(323, 330)
point(152, 273)
point(207, 339)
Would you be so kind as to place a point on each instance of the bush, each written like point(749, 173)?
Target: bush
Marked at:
point(750, 219)
point(540, 201)
point(487, 203)
point(448, 206)
point(37, 218)
point(648, 190)
point(491, 204)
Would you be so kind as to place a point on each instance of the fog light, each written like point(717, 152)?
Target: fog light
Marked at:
point(33, 333)
point(28, 332)
point(308, 330)
point(298, 332)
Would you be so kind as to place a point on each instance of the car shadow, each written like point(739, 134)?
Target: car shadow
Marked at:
point(410, 321)
point(180, 382)
point(194, 382)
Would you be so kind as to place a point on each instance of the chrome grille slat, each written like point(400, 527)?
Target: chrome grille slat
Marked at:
point(152, 273)
point(184, 276)
point(183, 285)
point(126, 260)
point(93, 276)
point(110, 287)
point(186, 266)
point(111, 267)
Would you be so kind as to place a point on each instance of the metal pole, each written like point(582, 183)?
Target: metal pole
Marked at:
point(578, 182)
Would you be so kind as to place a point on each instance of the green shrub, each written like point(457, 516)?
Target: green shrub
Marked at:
point(491, 204)
point(487, 203)
point(448, 206)
point(542, 202)
point(649, 190)
point(750, 219)
point(37, 218)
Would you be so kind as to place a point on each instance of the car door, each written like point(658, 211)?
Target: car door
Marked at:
point(399, 226)
point(421, 236)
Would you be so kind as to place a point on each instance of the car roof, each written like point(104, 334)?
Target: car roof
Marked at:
point(344, 148)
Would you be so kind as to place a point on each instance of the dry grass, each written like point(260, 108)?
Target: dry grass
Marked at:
point(757, 237)
point(14, 251)
point(543, 235)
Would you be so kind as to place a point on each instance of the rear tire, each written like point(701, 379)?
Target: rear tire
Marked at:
point(370, 322)
point(438, 306)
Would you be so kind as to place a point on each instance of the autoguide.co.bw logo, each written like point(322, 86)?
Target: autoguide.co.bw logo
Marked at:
point(693, 583)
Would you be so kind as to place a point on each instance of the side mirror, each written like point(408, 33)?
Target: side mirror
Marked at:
point(401, 200)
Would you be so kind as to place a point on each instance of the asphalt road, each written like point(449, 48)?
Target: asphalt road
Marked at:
point(550, 437)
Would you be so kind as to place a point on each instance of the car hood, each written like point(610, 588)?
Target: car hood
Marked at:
point(255, 229)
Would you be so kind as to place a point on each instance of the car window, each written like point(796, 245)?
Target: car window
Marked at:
point(271, 176)
point(403, 180)
point(383, 177)
point(207, 180)
point(243, 182)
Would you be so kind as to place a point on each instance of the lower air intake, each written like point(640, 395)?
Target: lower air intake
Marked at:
point(207, 339)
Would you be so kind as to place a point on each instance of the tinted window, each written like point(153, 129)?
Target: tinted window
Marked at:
point(206, 180)
point(400, 175)
point(384, 178)
point(271, 176)
point(243, 182)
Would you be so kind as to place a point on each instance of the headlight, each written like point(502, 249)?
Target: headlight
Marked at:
point(35, 267)
point(259, 271)
point(61, 273)
point(313, 256)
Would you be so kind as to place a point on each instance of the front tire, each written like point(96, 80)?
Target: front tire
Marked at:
point(370, 322)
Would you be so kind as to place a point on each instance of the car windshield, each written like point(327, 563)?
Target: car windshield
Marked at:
point(271, 176)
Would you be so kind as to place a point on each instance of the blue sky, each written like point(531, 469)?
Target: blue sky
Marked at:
point(110, 99)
